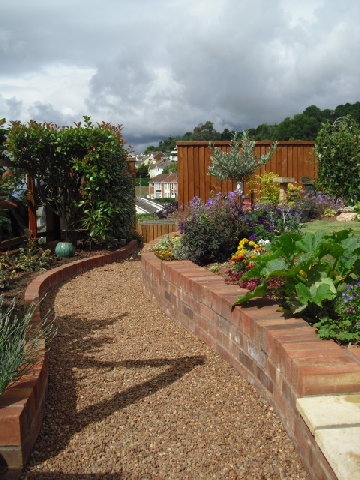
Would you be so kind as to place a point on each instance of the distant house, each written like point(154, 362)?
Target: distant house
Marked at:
point(164, 185)
point(157, 169)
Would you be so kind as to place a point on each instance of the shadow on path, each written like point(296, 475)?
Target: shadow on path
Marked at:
point(74, 349)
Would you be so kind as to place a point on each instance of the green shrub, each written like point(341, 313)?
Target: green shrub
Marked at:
point(337, 149)
point(81, 174)
point(265, 189)
point(211, 230)
point(169, 248)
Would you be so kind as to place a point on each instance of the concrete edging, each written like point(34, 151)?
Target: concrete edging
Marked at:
point(23, 403)
point(282, 357)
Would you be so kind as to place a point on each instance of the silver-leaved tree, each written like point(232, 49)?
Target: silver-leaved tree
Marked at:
point(240, 163)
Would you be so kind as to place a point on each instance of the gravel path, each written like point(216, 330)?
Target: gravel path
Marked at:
point(133, 396)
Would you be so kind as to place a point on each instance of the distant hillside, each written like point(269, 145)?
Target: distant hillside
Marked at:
point(303, 126)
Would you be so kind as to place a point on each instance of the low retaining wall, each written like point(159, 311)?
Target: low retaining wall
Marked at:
point(281, 357)
point(22, 405)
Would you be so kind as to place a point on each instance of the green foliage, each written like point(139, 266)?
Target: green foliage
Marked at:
point(144, 182)
point(30, 258)
point(144, 216)
point(337, 150)
point(312, 268)
point(169, 248)
point(205, 132)
point(301, 127)
point(172, 168)
point(20, 342)
point(267, 221)
point(80, 173)
point(266, 190)
point(142, 170)
point(240, 163)
point(344, 326)
point(107, 186)
point(3, 133)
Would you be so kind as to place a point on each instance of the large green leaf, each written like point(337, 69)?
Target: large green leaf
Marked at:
point(324, 290)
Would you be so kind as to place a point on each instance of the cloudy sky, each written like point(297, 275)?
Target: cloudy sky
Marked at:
point(161, 67)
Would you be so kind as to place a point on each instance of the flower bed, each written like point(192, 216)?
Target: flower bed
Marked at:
point(22, 405)
point(281, 356)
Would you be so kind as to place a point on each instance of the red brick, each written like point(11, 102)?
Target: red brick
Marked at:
point(264, 326)
point(279, 401)
point(207, 313)
point(312, 356)
point(320, 380)
point(246, 361)
point(204, 337)
point(263, 378)
point(277, 338)
point(12, 425)
point(223, 325)
point(222, 352)
point(355, 352)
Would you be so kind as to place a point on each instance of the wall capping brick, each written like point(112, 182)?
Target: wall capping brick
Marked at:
point(282, 357)
point(22, 405)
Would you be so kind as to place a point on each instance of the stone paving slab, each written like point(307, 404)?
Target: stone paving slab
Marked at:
point(334, 420)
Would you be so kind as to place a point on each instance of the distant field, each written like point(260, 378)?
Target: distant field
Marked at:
point(330, 227)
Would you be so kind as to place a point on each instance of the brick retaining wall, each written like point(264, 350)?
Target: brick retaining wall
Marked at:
point(22, 405)
point(282, 357)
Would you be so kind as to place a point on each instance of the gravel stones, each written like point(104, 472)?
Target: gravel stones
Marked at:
point(134, 396)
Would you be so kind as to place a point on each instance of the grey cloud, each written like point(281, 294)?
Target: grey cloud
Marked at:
point(161, 67)
point(46, 113)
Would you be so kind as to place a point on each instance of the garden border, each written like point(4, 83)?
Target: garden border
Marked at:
point(282, 357)
point(22, 405)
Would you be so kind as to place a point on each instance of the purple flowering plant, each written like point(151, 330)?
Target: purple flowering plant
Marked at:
point(211, 231)
point(317, 204)
point(345, 324)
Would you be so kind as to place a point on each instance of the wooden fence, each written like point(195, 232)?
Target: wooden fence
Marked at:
point(290, 159)
point(151, 229)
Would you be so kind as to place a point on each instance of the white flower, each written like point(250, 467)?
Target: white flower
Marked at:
point(262, 242)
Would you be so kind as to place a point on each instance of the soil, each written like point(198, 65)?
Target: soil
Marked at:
point(18, 285)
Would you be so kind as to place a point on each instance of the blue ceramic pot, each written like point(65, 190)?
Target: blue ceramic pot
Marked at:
point(65, 250)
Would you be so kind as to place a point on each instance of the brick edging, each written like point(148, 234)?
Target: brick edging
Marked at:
point(22, 404)
point(282, 357)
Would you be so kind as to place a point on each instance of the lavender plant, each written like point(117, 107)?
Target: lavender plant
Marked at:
point(20, 342)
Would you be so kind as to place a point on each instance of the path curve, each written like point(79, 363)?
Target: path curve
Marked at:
point(133, 396)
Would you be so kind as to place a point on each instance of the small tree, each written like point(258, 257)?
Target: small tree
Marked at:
point(80, 174)
point(337, 149)
point(240, 163)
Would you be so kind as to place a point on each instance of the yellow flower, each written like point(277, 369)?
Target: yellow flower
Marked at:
point(303, 274)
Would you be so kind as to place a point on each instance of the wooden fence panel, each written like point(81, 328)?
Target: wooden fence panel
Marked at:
point(291, 159)
point(151, 229)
